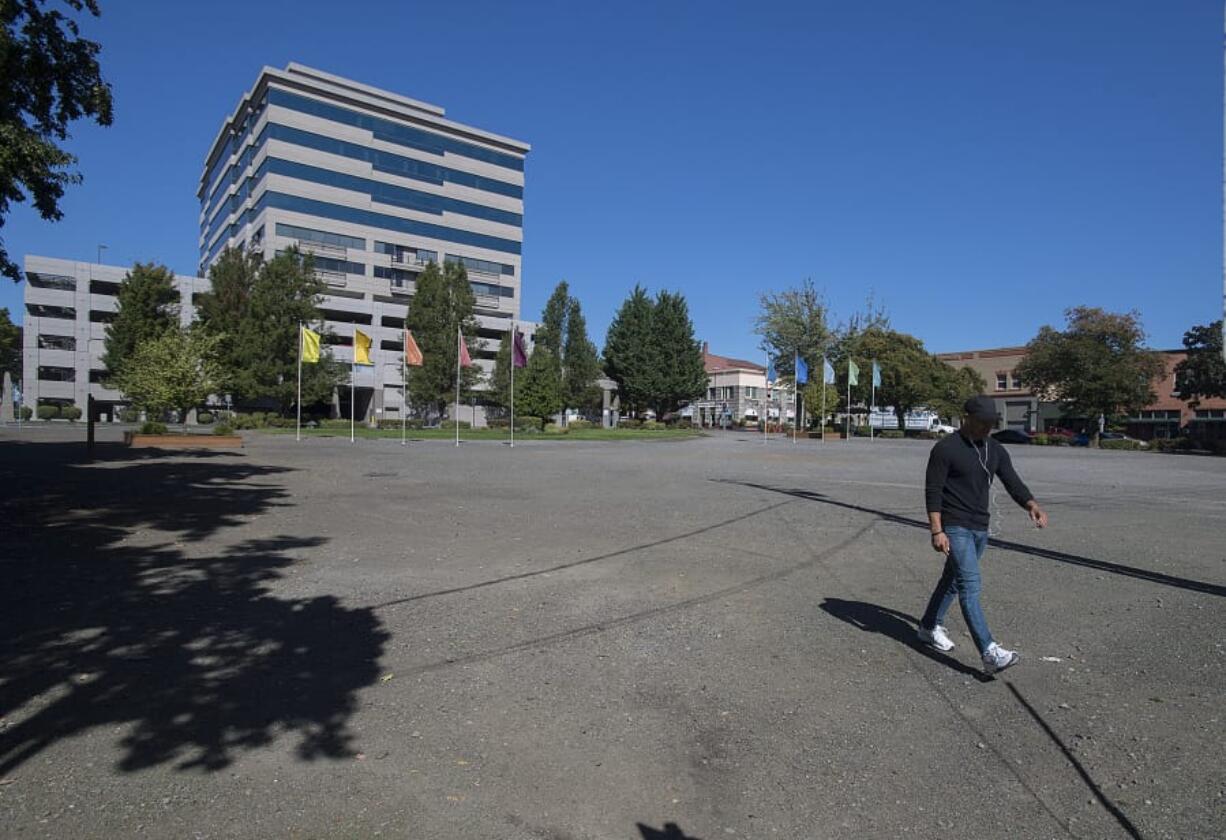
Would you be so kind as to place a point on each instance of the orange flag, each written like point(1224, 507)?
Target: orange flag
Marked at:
point(412, 353)
point(465, 359)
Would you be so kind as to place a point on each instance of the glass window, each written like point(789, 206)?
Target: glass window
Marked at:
point(323, 237)
point(481, 266)
point(102, 287)
point(57, 342)
point(51, 281)
point(57, 374)
point(1002, 381)
point(39, 310)
point(393, 132)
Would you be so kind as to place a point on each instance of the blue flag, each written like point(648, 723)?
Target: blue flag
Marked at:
point(876, 374)
point(828, 370)
point(802, 371)
point(771, 376)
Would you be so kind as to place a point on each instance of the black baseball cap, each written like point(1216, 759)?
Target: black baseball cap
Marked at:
point(981, 407)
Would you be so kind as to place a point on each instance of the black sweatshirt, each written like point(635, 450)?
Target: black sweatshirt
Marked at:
point(956, 484)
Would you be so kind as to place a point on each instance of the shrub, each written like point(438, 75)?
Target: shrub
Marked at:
point(1126, 445)
point(528, 423)
point(390, 423)
point(451, 424)
point(223, 429)
point(48, 412)
point(929, 435)
point(893, 434)
point(70, 412)
point(652, 425)
point(333, 423)
point(205, 417)
point(859, 431)
point(129, 415)
point(580, 424)
point(555, 429)
point(26, 412)
point(152, 427)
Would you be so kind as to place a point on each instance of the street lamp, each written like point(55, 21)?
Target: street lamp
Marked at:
point(101, 248)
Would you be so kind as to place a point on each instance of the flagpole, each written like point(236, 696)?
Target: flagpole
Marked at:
point(459, 338)
point(766, 403)
point(823, 419)
point(512, 357)
point(872, 403)
point(795, 394)
point(404, 390)
point(298, 426)
point(847, 419)
point(353, 370)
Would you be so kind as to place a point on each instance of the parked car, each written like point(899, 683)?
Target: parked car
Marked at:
point(942, 429)
point(1011, 436)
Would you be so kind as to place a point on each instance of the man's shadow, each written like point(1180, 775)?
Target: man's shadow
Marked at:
point(671, 831)
point(872, 618)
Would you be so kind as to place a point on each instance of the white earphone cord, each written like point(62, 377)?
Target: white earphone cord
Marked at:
point(994, 506)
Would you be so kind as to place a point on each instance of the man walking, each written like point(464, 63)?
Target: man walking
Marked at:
point(957, 492)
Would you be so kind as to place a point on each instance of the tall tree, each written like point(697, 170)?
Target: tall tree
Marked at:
point(538, 393)
point(681, 374)
point(441, 307)
point(794, 321)
point(177, 370)
point(1096, 366)
point(49, 77)
point(952, 387)
point(908, 371)
point(629, 352)
point(1203, 373)
point(254, 311)
point(500, 378)
point(552, 330)
point(10, 347)
point(148, 307)
point(580, 365)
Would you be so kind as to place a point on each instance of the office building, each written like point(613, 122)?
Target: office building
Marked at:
point(375, 186)
point(68, 307)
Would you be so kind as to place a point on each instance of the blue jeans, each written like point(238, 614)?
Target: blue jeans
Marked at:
point(961, 580)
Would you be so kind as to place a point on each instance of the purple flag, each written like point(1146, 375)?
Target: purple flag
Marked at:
point(519, 356)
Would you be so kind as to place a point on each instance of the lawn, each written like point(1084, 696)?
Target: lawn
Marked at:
point(500, 434)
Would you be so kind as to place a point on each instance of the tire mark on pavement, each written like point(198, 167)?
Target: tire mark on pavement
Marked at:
point(621, 552)
point(817, 558)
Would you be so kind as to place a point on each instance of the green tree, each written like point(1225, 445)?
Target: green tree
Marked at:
point(1203, 372)
point(49, 77)
point(148, 307)
point(255, 310)
point(811, 397)
point(629, 351)
point(552, 330)
point(794, 321)
point(500, 377)
point(580, 364)
point(1095, 366)
point(952, 387)
point(442, 306)
point(10, 347)
point(908, 371)
point(177, 370)
point(681, 375)
point(539, 392)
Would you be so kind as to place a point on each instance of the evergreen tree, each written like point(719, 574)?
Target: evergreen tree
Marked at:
point(255, 311)
point(538, 393)
point(552, 331)
point(441, 307)
point(148, 307)
point(10, 347)
point(629, 351)
point(580, 365)
point(680, 373)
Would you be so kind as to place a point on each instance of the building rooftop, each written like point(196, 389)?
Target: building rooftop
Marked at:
point(714, 364)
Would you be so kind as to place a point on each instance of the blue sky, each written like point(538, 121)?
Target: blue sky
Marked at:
point(976, 166)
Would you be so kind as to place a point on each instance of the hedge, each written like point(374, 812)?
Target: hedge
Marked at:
point(129, 415)
point(48, 412)
point(893, 434)
point(71, 413)
point(1126, 445)
point(204, 417)
point(26, 412)
point(580, 424)
point(152, 427)
point(223, 429)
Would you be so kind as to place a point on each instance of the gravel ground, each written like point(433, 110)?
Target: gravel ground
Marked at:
point(696, 639)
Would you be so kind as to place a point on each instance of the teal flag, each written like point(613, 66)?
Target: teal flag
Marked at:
point(876, 374)
point(853, 373)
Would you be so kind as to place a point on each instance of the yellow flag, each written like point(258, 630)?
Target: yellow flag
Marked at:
point(310, 346)
point(361, 348)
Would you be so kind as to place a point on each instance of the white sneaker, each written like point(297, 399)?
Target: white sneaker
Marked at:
point(996, 658)
point(937, 637)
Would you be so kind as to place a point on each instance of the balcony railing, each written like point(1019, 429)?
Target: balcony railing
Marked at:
point(312, 247)
point(487, 301)
point(408, 259)
point(400, 286)
point(332, 278)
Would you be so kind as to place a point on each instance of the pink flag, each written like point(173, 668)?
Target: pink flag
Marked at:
point(465, 359)
point(519, 356)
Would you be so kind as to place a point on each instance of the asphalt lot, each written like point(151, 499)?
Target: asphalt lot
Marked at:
point(699, 639)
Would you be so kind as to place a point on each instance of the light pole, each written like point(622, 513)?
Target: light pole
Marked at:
point(101, 248)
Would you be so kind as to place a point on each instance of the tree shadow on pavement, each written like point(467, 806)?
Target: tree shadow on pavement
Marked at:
point(671, 831)
point(898, 626)
point(125, 606)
